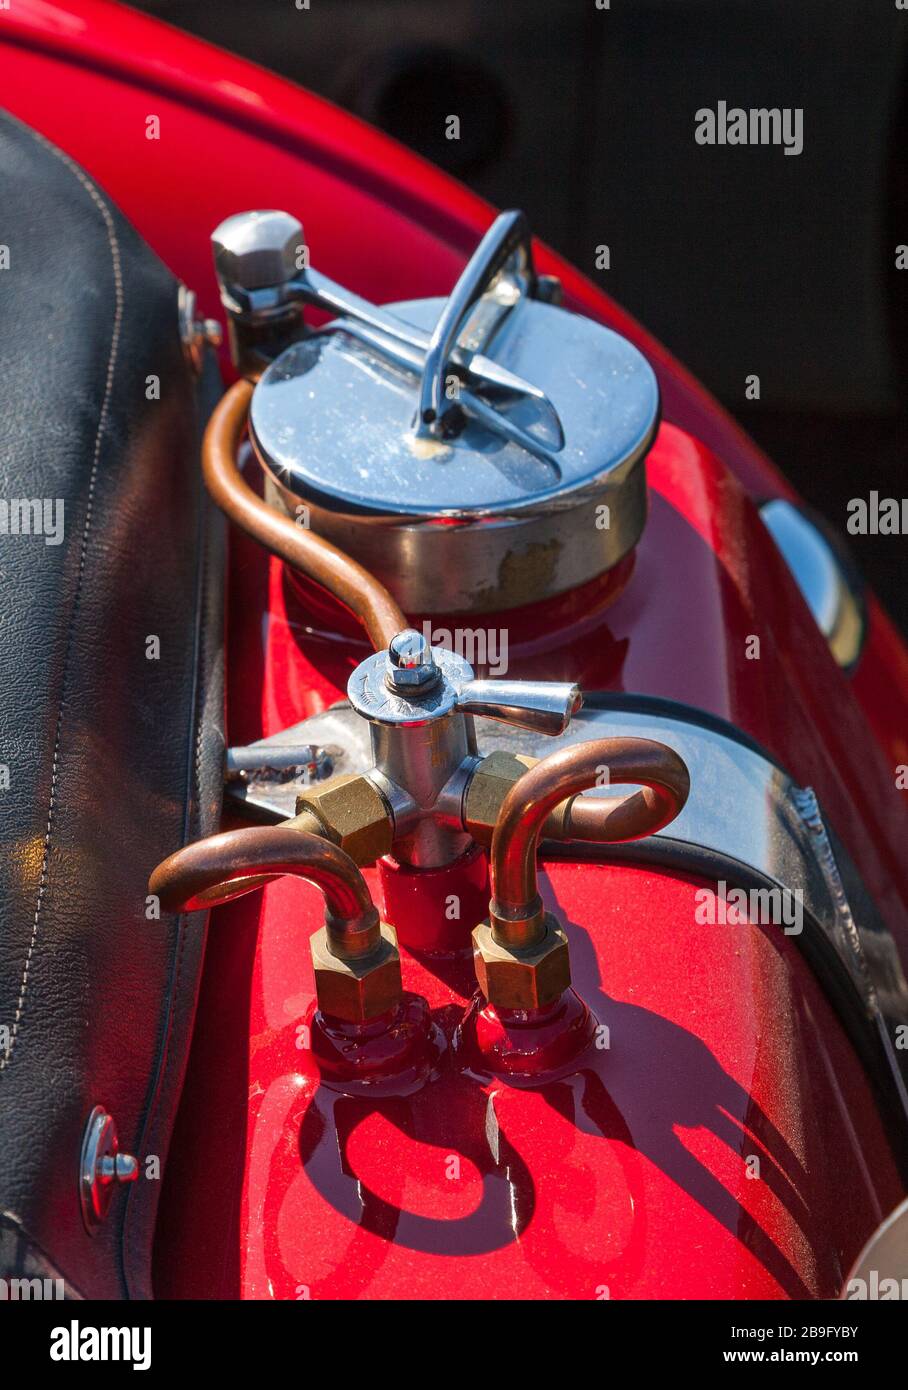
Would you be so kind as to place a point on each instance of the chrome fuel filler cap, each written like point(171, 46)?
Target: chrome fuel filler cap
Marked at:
point(476, 453)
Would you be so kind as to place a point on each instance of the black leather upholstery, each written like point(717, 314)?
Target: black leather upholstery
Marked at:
point(113, 754)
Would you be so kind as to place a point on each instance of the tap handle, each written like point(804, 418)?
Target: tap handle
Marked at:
point(544, 707)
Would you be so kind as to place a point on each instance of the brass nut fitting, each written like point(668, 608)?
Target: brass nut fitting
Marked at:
point(528, 978)
point(353, 814)
point(493, 779)
point(357, 988)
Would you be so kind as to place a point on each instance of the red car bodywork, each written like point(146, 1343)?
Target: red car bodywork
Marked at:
point(631, 1179)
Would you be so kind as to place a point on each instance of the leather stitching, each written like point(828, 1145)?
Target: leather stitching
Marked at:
point(111, 230)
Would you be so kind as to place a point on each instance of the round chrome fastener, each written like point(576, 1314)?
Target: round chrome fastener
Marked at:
point(102, 1168)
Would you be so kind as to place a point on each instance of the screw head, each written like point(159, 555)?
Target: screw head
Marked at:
point(257, 250)
point(411, 664)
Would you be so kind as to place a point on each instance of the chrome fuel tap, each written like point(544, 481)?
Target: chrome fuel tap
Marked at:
point(419, 701)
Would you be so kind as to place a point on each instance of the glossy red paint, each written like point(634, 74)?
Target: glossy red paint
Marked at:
point(629, 1174)
point(630, 1177)
point(528, 1048)
point(880, 684)
point(392, 1055)
point(429, 906)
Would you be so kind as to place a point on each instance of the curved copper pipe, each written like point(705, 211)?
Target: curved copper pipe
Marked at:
point(225, 866)
point(594, 820)
point(516, 908)
point(342, 576)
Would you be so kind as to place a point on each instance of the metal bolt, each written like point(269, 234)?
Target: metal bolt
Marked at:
point(119, 1168)
point(410, 665)
point(257, 250)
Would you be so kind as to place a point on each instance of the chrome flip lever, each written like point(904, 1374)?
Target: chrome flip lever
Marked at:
point(257, 257)
point(544, 707)
point(506, 247)
point(477, 372)
point(412, 360)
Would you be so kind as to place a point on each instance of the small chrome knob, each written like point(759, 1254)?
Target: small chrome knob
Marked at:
point(411, 665)
point(257, 250)
point(103, 1167)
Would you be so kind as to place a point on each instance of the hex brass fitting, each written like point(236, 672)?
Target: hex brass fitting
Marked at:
point(357, 988)
point(529, 978)
point(353, 814)
point(493, 779)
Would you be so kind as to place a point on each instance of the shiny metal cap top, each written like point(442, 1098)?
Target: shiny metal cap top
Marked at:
point(493, 408)
point(335, 420)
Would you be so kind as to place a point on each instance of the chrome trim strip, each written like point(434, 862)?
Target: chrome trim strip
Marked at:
point(829, 583)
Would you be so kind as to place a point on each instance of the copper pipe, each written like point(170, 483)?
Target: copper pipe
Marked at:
point(594, 820)
point(225, 866)
point(516, 910)
point(342, 576)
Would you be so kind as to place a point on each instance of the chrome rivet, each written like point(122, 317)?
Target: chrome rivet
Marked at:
point(103, 1168)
